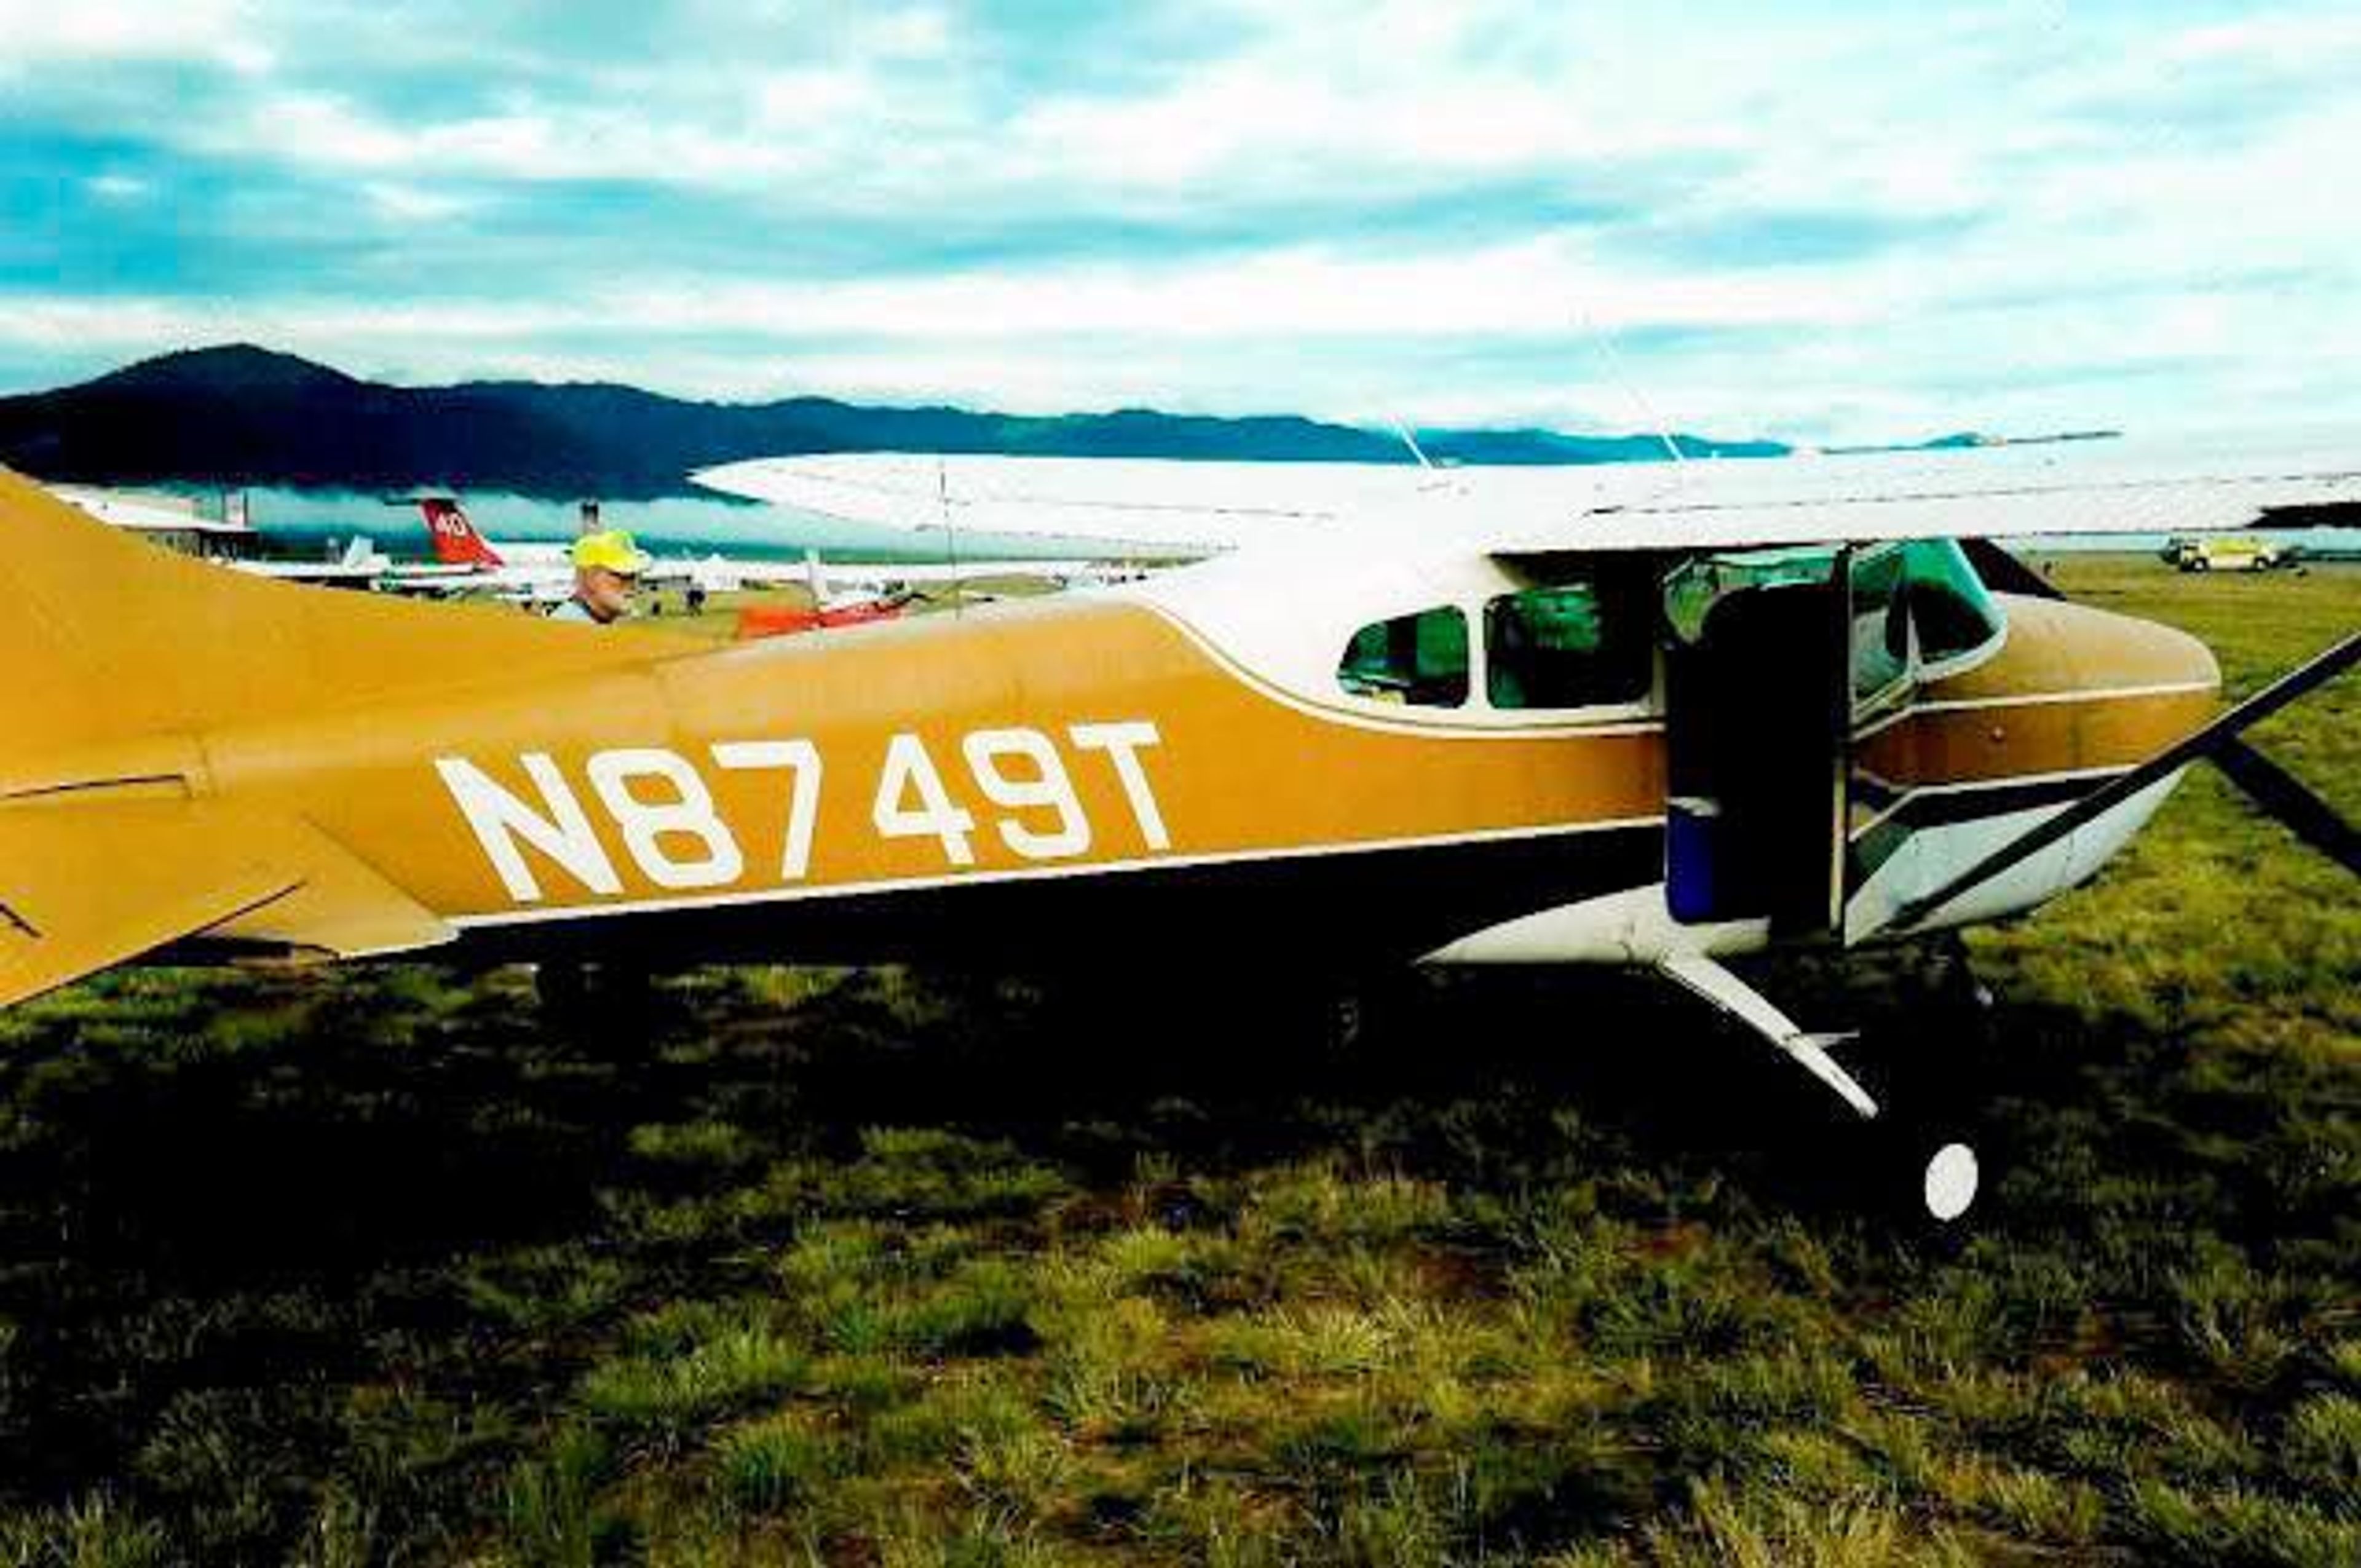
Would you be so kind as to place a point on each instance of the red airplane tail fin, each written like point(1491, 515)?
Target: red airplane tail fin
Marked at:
point(457, 542)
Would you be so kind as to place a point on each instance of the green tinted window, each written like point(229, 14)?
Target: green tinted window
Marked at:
point(1418, 659)
point(1569, 645)
point(1692, 591)
point(1949, 603)
point(1880, 628)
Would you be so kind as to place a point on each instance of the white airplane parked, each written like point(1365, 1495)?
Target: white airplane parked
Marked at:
point(541, 572)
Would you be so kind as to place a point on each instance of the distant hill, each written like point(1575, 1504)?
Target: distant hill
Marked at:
point(1971, 440)
point(242, 415)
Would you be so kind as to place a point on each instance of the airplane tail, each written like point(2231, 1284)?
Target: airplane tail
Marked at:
point(457, 542)
point(115, 837)
point(116, 641)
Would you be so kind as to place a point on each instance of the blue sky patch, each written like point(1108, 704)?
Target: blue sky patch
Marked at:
point(1817, 224)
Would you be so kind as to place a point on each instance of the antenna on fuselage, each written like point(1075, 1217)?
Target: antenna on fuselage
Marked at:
point(1427, 465)
point(950, 533)
point(1604, 339)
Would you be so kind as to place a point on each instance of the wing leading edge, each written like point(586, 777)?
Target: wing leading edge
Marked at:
point(1115, 505)
point(2100, 488)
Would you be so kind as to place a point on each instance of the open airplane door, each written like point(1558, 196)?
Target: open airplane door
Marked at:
point(1756, 715)
point(1881, 683)
point(1778, 661)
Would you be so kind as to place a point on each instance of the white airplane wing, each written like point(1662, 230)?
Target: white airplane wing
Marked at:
point(900, 574)
point(2095, 488)
point(2030, 489)
point(1116, 506)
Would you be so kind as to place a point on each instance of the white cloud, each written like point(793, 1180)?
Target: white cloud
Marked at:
point(2320, 41)
point(2062, 196)
point(1535, 286)
point(42, 32)
point(409, 203)
point(1384, 93)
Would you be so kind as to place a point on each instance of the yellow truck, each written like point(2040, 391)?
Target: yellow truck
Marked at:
point(2225, 555)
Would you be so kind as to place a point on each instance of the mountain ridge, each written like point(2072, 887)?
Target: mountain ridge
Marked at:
point(240, 414)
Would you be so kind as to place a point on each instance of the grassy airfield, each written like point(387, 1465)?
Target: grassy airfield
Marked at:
point(877, 1267)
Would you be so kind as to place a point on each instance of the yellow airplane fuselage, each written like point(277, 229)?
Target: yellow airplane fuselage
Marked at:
point(1072, 773)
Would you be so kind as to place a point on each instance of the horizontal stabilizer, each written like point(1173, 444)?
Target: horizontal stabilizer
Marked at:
point(87, 885)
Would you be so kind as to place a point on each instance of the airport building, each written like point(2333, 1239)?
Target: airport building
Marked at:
point(220, 531)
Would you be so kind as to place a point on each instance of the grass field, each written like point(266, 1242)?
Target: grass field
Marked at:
point(877, 1267)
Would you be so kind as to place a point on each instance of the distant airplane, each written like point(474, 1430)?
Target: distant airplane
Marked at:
point(1499, 721)
point(359, 564)
point(463, 564)
point(541, 572)
point(537, 572)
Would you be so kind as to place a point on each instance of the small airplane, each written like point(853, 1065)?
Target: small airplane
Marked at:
point(832, 606)
point(1473, 719)
point(359, 564)
point(463, 564)
point(855, 596)
point(533, 574)
point(541, 573)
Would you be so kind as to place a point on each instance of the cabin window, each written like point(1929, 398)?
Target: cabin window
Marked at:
point(1419, 659)
point(1567, 645)
point(1693, 590)
point(1950, 604)
point(1880, 623)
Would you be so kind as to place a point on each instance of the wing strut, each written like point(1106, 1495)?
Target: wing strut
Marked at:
point(2283, 796)
point(2305, 813)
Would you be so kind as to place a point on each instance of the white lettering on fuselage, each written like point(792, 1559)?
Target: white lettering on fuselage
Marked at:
point(499, 820)
point(664, 812)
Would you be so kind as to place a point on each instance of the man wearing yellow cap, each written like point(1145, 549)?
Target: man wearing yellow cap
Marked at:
point(607, 567)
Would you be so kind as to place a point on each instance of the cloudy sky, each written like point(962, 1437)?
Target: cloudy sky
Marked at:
point(1818, 222)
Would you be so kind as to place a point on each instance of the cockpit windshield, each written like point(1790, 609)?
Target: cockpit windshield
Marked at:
point(1952, 611)
point(1918, 609)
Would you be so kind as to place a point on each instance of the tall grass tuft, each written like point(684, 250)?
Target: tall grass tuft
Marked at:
point(92, 1532)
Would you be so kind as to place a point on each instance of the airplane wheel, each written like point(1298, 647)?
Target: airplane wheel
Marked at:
point(1927, 1176)
point(1955, 983)
point(1949, 1179)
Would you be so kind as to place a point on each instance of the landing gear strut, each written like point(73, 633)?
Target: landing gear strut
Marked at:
point(1955, 977)
point(1947, 1172)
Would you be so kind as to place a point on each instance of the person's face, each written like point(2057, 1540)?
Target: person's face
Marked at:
point(607, 595)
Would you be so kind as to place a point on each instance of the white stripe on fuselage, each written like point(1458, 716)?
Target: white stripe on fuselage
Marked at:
point(2032, 699)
